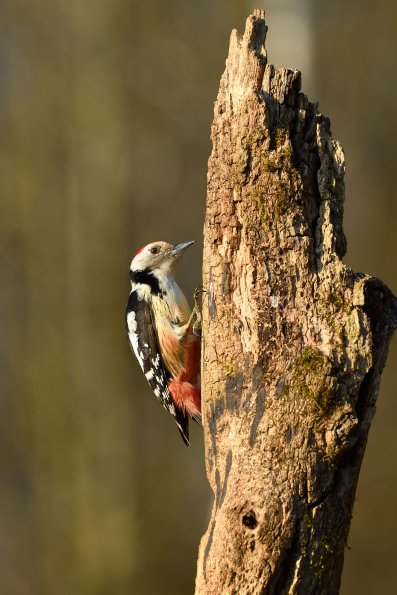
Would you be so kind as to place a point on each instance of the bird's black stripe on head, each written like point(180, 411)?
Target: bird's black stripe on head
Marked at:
point(146, 277)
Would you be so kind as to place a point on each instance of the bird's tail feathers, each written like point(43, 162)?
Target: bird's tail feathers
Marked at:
point(182, 421)
point(197, 419)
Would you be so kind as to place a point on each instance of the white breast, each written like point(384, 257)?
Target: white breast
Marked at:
point(175, 298)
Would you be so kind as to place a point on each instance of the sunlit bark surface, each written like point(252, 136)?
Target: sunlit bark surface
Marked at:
point(294, 341)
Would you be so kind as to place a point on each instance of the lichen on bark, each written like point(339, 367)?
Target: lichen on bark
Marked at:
point(293, 341)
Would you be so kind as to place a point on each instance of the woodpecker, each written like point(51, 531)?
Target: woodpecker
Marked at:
point(162, 331)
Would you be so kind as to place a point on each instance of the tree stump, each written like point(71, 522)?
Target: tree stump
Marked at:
point(294, 342)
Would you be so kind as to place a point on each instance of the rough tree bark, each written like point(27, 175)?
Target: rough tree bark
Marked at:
point(294, 342)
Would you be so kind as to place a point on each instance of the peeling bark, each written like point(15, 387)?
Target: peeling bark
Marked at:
point(294, 342)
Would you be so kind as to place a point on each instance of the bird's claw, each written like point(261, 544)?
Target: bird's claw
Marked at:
point(197, 324)
point(196, 313)
point(198, 291)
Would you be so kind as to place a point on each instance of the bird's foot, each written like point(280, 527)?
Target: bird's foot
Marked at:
point(195, 317)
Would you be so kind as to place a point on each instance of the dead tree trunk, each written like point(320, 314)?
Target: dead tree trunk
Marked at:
point(294, 341)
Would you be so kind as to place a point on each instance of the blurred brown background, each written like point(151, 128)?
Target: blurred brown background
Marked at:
point(105, 117)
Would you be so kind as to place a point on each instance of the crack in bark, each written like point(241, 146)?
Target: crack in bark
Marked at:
point(320, 500)
point(284, 572)
point(221, 490)
point(259, 411)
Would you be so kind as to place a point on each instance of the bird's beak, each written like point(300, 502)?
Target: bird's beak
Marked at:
point(179, 248)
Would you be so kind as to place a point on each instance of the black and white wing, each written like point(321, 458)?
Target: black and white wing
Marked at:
point(144, 343)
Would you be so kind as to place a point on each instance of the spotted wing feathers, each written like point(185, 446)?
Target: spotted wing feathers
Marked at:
point(144, 343)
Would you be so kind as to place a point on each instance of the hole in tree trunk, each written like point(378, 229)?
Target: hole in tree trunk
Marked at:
point(249, 520)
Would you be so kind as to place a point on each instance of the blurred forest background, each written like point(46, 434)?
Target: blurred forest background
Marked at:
point(105, 117)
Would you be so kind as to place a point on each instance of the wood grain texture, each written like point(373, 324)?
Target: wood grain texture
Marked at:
point(294, 342)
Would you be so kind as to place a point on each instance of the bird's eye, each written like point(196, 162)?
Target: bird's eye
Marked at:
point(154, 250)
